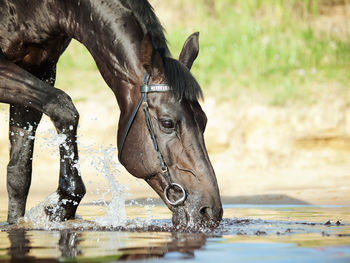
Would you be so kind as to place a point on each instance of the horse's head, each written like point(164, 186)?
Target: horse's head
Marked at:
point(169, 152)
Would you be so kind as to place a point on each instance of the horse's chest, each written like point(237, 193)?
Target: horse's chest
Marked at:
point(28, 52)
point(30, 44)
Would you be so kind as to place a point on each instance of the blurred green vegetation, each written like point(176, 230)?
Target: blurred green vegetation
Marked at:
point(76, 69)
point(274, 48)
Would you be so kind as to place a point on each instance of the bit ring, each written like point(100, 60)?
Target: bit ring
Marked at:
point(180, 200)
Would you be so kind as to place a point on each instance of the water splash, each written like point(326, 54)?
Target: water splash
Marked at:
point(37, 218)
point(109, 196)
point(103, 161)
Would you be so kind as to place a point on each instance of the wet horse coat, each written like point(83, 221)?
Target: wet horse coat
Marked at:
point(126, 40)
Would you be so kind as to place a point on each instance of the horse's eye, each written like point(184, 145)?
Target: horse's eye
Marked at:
point(168, 124)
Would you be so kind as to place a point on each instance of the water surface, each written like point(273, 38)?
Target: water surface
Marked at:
point(248, 233)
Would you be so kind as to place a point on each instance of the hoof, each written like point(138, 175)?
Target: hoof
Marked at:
point(52, 209)
point(61, 209)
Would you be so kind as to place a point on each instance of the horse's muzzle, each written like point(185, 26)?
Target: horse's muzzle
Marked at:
point(193, 215)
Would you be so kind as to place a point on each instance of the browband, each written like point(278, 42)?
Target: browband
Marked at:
point(154, 88)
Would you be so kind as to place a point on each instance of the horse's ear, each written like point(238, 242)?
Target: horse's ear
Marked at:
point(190, 50)
point(147, 53)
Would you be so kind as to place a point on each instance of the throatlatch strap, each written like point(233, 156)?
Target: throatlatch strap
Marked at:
point(128, 125)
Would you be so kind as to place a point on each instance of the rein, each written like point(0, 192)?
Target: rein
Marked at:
point(144, 89)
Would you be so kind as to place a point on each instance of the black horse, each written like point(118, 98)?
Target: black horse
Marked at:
point(163, 144)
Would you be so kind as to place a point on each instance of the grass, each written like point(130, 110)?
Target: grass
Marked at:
point(265, 47)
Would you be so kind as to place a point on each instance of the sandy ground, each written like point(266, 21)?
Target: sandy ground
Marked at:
point(261, 154)
point(282, 154)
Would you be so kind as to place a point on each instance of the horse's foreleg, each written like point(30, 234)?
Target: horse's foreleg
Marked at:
point(19, 87)
point(71, 188)
point(23, 123)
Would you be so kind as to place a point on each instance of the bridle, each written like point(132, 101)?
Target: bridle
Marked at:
point(145, 89)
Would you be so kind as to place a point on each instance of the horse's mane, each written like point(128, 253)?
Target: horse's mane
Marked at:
point(179, 78)
point(181, 81)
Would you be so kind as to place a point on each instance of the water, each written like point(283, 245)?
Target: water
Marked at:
point(115, 230)
point(249, 233)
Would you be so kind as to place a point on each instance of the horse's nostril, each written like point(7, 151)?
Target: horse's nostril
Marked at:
point(207, 212)
point(202, 210)
point(211, 214)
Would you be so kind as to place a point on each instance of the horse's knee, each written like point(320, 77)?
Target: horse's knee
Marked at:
point(62, 112)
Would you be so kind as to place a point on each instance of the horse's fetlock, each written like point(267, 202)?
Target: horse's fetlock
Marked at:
point(80, 192)
point(74, 193)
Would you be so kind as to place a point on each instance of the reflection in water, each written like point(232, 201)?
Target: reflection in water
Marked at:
point(73, 245)
point(68, 243)
point(19, 245)
point(183, 243)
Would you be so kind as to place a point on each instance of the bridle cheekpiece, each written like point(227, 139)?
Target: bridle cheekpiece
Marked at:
point(144, 90)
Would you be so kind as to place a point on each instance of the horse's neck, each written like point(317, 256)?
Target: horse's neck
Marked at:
point(113, 37)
